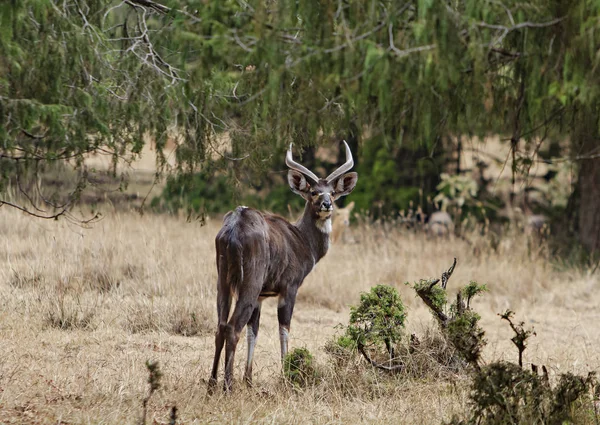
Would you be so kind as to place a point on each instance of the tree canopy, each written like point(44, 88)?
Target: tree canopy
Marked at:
point(393, 77)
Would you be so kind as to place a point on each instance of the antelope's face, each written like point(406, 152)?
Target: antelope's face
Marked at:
point(321, 193)
point(321, 197)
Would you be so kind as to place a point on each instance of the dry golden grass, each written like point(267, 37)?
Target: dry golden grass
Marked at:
point(82, 310)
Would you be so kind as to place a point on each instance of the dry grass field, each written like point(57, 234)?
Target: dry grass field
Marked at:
point(82, 310)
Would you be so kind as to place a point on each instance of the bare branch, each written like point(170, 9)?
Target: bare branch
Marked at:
point(33, 214)
point(504, 30)
point(406, 52)
point(160, 8)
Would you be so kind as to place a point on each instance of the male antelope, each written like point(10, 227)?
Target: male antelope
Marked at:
point(262, 255)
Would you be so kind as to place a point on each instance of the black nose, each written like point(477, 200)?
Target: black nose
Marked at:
point(326, 204)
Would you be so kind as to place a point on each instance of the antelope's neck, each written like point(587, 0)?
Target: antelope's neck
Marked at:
point(316, 231)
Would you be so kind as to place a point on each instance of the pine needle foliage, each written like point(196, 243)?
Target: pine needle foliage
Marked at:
point(93, 76)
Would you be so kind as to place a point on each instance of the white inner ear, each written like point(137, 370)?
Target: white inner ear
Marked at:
point(303, 185)
point(339, 187)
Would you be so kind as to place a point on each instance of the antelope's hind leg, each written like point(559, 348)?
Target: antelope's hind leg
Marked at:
point(252, 335)
point(223, 308)
point(244, 308)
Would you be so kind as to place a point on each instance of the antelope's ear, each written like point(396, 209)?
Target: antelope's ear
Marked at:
point(350, 206)
point(344, 185)
point(298, 183)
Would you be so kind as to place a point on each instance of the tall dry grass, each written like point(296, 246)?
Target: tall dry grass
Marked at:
point(81, 310)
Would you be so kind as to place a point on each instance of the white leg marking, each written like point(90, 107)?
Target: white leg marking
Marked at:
point(283, 339)
point(251, 338)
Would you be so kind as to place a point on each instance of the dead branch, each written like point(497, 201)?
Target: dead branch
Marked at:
point(390, 368)
point(446, 275)
point(426, 294)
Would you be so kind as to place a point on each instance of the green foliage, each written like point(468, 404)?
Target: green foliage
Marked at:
point(503, 392)
point(212, 192)
point(241, 80)
point(299, 368)
point(392, 177)
point(459, 323)
point(377, 321)
point(464, 332)
point(203, 193)
point(437, 295)
point(471, 290)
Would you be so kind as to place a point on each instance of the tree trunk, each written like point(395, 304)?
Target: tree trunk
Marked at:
point(588, 185)
point(589, 202)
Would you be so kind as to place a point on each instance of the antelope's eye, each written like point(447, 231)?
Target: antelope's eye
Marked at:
point(313, 193)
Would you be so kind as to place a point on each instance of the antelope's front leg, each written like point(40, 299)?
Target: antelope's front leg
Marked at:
point(284, 315)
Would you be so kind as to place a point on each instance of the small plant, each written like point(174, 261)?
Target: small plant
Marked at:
point(379, 318)
point(184, 321)
point(458, 193)
point(521, 334)
point(66, 312)
point(26, 280)
point(154, 376)
point(299, 368)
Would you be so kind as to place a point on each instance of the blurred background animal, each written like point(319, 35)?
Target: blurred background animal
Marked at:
point(341, 221)
point(440, 224)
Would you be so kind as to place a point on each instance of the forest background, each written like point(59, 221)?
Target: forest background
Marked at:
point(219, 90)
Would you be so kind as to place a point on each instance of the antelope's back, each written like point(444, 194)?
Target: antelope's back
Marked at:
point(265, 246)
point(243, 228)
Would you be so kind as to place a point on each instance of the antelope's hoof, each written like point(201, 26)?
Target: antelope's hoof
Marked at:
point(212, 384)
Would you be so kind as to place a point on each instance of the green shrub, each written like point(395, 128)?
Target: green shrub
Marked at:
point(377, 322)
point(299, 368)
point(504, 393)
point(459, 323)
